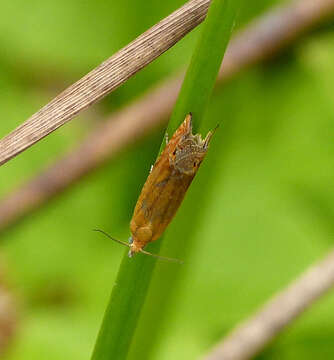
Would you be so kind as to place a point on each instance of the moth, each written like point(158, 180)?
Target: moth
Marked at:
point(166, 186)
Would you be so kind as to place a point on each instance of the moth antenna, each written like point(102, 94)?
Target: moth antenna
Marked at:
point(161, 257)
point(110, 237)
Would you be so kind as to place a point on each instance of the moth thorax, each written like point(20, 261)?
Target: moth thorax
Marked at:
point(143, 234)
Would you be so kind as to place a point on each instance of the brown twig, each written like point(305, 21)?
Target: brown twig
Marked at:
point(7, 319)
point(8, 315)
point(105, 78)
point(249, 338)
point(257, 42)
point(107, 140)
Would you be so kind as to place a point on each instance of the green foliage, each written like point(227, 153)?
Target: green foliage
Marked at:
point(267, 216)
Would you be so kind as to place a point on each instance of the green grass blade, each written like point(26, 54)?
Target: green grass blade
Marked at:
point(122, 313)
point(135, 274)
point(201, 75)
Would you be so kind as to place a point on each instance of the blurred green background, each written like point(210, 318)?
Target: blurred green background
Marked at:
point(267, 215)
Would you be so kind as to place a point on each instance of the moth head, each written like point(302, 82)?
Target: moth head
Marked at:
point(135, 248)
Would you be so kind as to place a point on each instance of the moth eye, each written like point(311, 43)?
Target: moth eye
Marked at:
point(174, 152)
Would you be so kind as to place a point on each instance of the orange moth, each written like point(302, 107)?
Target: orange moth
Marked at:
point(166, 186)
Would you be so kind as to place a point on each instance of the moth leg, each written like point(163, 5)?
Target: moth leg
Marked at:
point(166, 137)
point(151, 168)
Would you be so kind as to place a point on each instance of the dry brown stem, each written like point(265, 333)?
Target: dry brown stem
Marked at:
point(258, 41)
point(7, 319)
point(250, 337)
point(8, 314)
point(105, 78)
